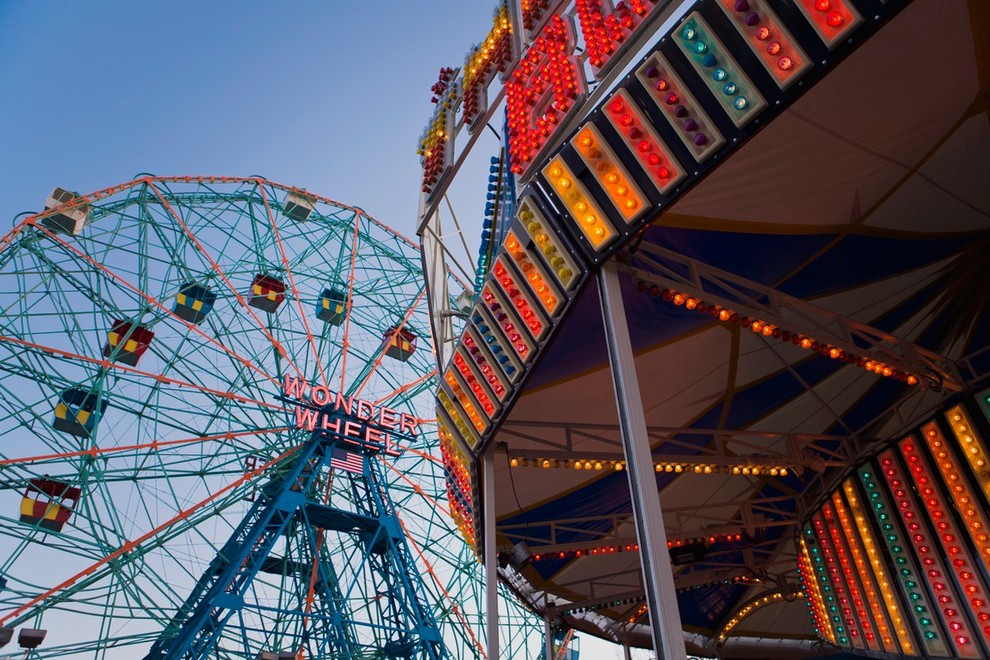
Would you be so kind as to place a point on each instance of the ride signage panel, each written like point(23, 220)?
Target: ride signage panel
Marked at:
point(355, 421)
point(696, 94)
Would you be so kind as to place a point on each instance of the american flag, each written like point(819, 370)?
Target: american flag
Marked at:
point(345, 460)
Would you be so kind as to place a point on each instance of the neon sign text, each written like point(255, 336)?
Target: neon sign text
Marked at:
point(356, 421)
point(542, 90)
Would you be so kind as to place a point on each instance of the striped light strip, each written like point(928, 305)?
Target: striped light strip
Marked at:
point(879, 572)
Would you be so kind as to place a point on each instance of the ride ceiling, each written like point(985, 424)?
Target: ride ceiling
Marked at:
point(868, 199)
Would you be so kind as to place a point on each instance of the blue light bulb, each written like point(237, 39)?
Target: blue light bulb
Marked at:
point(689, 33)
point(700, 47)
point(719, 74)
point(729, 88)
point(740, 103)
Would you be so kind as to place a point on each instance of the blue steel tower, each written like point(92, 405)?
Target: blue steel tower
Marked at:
point(331, 487)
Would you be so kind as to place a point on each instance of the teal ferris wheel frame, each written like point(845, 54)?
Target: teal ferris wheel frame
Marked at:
point(144, 333)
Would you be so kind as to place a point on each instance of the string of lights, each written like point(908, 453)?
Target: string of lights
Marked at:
point(659, 466)
point(773, 331)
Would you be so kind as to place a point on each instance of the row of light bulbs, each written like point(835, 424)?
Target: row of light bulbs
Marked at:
point(659, 466)
point(631, 547)
point(749, 608)
point(771, 330)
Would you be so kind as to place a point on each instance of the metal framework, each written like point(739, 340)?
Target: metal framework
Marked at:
point(399, 623)
point(669, 269)
point(174, 435)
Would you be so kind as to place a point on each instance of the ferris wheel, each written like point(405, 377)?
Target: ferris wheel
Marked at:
point(215, 439)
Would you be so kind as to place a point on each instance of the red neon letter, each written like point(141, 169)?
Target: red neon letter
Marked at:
point(543, 88)
point(604, 28)
point(294, 388)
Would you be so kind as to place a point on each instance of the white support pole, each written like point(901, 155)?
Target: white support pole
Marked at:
point(491, 560)
point(658, 577)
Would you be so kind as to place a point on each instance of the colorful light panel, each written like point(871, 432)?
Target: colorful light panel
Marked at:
point(829, 595)
point(691, 123)
point(491, 336)
point(926, 549)
point(816, 603)
point(534, 275)
point(904, 564)
point(972, 444)
point(843, 581)
point(965, 501)
point(642, 140)
point(833, 20)
point(769, 39)
point(549, 245)
point(507, 322)
point(491, 369)
point(724, 77)
point(583, 209)
point(459, 477)
point(876, 565)
point(519, 297)
point(857, 558)
point(478, 385)
point(610, 174)
point(974, 589)
point(459, 421)
point(471, 408)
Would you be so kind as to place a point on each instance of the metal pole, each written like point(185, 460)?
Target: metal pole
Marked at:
point(547, 638)
point(627, 653)
point(658, 578)
point(491, 561)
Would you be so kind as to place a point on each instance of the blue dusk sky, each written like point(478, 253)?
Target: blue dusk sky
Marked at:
point(331, 96)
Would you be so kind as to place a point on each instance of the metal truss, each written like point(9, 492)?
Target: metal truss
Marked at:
point(669, 269)
point(750, 515)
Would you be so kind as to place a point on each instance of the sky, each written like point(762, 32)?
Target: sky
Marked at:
point(330, 96)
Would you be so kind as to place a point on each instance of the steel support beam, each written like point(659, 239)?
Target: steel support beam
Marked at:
point(491, 558)
point(658, 578)
point(547, 637)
